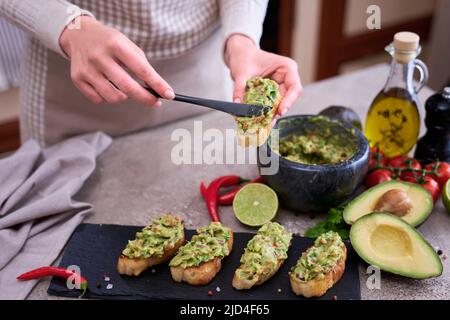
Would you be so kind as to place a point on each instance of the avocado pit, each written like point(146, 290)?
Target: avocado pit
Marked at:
point(395, 201)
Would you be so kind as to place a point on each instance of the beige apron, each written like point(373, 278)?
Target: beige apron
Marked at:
point(199, 72)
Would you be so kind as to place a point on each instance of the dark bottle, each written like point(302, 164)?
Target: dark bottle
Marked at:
point(435, 144)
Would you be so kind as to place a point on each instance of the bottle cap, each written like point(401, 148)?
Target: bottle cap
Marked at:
point(446, 93)
point(405, 46)
point(406, 41)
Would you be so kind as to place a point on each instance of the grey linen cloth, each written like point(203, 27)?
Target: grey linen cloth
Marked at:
point(37, 211)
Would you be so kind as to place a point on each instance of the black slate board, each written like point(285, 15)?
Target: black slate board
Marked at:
point(95, 249)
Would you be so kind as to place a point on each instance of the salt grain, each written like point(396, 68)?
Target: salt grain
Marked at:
point(107, 279)
point(109, 286)
point(218, 289)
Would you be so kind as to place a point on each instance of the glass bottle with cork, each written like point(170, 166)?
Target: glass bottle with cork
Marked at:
point(393, 120)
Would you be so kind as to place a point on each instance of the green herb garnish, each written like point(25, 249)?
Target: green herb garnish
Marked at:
point(334, 222)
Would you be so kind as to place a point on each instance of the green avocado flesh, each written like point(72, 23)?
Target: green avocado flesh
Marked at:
point(209, 243)
point(264, 251)
point(365, 203)
point(319, 259)
point(391, 244)
point(263, 92)
point(153, 240)
point(323, 144)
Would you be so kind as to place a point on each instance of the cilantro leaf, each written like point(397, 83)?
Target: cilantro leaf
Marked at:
point(317, 230)
point(334, 222)
point(335, 215)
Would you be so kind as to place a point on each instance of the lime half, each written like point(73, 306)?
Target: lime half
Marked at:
point(255, 204)
point(446, 195)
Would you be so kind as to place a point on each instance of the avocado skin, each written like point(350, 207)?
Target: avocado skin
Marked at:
point(342, 114)
point(372, 261)
point(361, 197)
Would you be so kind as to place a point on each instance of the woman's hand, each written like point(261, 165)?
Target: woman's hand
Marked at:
point(98, 55)
point(246, 60)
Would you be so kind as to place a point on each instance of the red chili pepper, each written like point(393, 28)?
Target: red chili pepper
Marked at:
point(227, 198)
point(53, 271)
point(203, 188)
point(212, 193)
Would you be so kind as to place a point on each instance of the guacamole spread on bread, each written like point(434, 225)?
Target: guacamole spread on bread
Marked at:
point(153, 240)
point(208, 244)
point(319, 259)
point(263, 92)
point(265, 251)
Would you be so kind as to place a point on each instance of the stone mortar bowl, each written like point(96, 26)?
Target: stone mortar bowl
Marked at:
point(313, 188)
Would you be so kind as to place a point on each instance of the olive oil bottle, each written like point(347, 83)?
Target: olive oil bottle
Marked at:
point(393, 120)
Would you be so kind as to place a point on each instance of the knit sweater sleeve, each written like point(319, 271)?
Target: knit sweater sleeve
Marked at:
point(44, 19)
point(244, 17)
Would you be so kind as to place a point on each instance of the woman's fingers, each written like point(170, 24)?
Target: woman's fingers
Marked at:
point(135, 60)
point(96, 70)
point(239, 88)
point(105, 88)
point(122, 80)
point(274, 121)
point(293, 89)
point(89, 92)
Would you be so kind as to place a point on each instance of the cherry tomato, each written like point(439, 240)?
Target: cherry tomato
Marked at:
point(377, 177)
point(413, 174)
point(376, 158)
point(404, 162)
point(443, 172)
point(428, 183)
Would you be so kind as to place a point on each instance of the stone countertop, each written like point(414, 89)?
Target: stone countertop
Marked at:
point(136, 180)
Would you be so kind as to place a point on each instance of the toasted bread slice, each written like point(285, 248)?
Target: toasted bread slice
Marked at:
point(133, 266)
point(253, 138)
point(202, 274)
point(263, 256)
point(318, 287)
point(256, 136)
point(240, 283)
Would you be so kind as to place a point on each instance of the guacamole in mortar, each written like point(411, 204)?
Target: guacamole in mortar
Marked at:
point(325, 143)
point(263, 92)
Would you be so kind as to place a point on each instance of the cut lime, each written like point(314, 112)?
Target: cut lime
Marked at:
point(446, 195)
point(255, 204)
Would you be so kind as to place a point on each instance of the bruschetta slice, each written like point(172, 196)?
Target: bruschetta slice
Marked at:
point(263, 256)
point(154, 244)
point(199, 260)
point(320, 266)
point(253, 132)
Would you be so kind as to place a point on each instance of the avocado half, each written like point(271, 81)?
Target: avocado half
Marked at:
point(365, 203)
point(388, 242)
